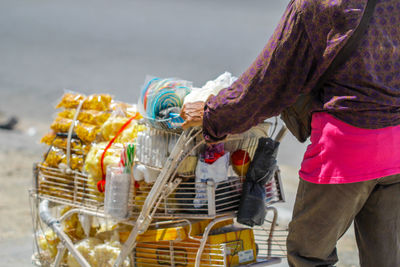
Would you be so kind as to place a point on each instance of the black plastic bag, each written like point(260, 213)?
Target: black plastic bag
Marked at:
point(261, 171)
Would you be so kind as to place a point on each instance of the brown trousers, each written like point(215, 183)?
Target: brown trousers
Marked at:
point(323, 213)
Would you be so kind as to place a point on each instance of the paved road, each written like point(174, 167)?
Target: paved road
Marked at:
point(110, 46)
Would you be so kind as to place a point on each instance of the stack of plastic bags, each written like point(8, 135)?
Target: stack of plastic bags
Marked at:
point(92, 122)
point(161, 100)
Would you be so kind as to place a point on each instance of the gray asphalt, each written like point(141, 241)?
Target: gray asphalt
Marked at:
point(110, 46)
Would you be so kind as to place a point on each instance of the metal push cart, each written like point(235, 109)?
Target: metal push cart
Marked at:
point(169, 202)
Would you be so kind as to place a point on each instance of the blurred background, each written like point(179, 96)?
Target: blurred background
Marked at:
point(90, 46)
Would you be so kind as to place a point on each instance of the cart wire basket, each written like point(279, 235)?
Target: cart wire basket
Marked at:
point(172, 197)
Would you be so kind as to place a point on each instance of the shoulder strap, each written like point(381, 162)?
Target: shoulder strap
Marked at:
point(350, 45)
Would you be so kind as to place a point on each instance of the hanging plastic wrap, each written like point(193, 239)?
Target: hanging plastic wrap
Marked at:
point(210, 88)
point(161, 100)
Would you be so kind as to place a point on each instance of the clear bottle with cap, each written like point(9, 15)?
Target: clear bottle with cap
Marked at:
point(116, 199)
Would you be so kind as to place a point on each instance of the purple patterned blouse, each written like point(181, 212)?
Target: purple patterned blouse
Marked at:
point(364, 92)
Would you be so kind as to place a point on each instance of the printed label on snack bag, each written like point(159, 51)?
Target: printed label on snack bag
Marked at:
point(246, 255)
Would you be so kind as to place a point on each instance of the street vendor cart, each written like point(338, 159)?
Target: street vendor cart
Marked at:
point(156, 196)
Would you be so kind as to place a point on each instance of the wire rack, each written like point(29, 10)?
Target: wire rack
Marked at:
point(267, 242)
point(74, 190)
point(172, 197)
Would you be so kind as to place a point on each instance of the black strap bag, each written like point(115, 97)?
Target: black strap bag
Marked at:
point(298, 116)
point(262, 169)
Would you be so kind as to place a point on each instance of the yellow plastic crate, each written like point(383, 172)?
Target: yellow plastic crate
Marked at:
point(176, 233)
point(228, 247)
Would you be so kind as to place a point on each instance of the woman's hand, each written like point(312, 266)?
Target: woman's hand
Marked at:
point(192, 113)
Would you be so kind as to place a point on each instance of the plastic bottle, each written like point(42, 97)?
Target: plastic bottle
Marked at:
point(117, 193)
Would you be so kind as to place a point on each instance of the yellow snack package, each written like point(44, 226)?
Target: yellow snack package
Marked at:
point(48, 138)
point(87, 132)
point(107, 253)
point(94, 117)
point(130, 133)
point(76, 162)
point(111, 127)
point(48, 243)
point(72, 226)
point(92, 162)
point(99, 102)
point(67, 113)
point(86, 248)
point(54, 157)
point(61, 125)
point(77, 146)
point(70, 100)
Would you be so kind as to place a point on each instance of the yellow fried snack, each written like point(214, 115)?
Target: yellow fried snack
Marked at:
point(54, 157)
point(77, 146)
point(67, 113)
point(94, 117)
point(70, 100)
point(61, 125)
point(99, 102)
point(86, 248)
point(107, 253)
point(72, 226)
point(130, 133)
point(111, 127)
point(87, 132)
point(92, 162)
point(48, 243)
point(48, 138)
point(76, 162)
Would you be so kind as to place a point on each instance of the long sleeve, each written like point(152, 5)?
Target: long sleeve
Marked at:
point(273, 82)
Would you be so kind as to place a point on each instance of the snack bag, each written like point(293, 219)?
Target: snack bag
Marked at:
point(99, 102)
point(72, 226)
point(76, 162)
point(112, 158)
point(87, 132)
point(48, 242)
point(130, 133)
point(86, 248)
point(61, 125)
point(70, 100)
point(54, 157)
point(93, 117)
point(111, 127)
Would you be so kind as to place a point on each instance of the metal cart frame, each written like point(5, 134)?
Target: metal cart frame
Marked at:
point(80, 196)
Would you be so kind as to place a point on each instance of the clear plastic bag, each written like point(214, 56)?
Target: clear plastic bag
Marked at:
point(112, 158)
point(162, 94)
point(210, 88)
point(100, 102)
point(94, 117)
point(217, 171)
point(87, 132)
